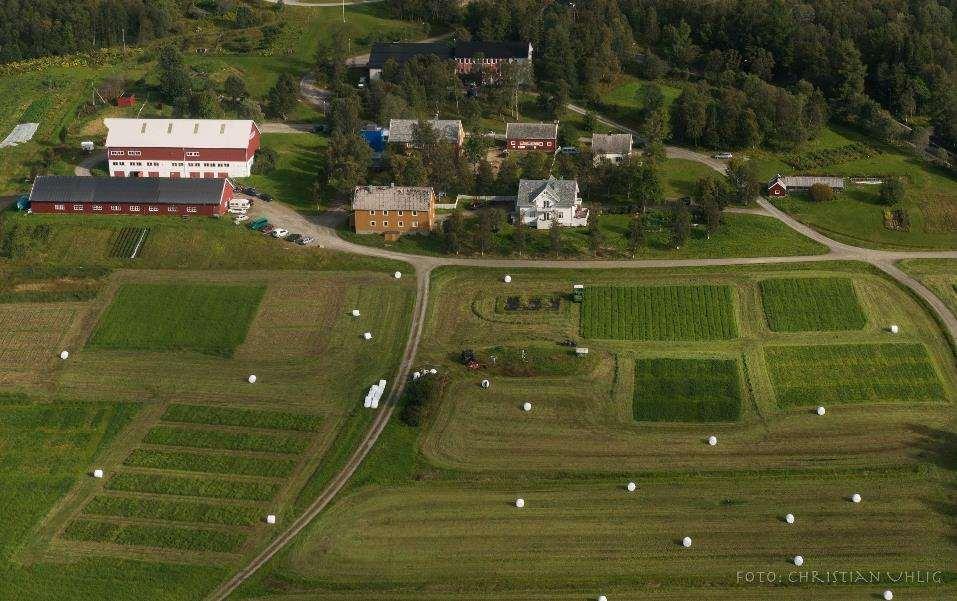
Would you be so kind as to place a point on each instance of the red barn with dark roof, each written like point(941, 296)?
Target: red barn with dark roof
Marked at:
point(151, 196)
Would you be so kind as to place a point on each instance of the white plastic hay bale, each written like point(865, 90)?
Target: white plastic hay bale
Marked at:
point(355, 313)
point(789, 518)
point(602, 598)
point(888, 595)
point(64, 355)
point(398, 275)
point(367, 335)
point(520, 502)
point(433, 371)
point(712, 440)
point(251, 379)
point(856, 498)
point(416, 375)
point(526, 406)
point(632, 487)
point(98, 473)
point(686, 542)
point(270, 519)
point(821, 410)
point(486, 383)
point(507, 279)
point(798, 560)
point(894, 329)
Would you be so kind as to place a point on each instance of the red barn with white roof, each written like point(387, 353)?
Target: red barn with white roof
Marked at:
point(207, 148)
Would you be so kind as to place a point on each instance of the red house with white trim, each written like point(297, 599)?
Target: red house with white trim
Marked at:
point(151, 196)
point(198, 148)
point(531, 136)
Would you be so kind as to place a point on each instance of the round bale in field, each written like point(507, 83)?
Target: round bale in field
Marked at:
point(888, 595)
point(251, 379)
point(486, 383)
point(686, 542)
point(270, 519)
point(507, 279)
point(789, 518)
point(64, 355)
point(433, 371)
point(798, 560)
point(397, 275)
point(821, 410)
point(894, 329)
point(416, 376)
point(632, 487)
point(98, 473)
point(712, 440)
point(520, 503)
point(355, 313)
point(856, 497)
point(527, 406)
point(367, 335)
point(602, 598)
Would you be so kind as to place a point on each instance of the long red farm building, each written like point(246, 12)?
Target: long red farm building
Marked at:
point(151, 196)
point(196, 148)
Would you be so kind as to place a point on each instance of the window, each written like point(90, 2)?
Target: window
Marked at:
point(192, 153)
point(171, 208)
point(134, 209)
point(415, 224)
point(372, 224)
point(77, 207)
point(97, 207)
point(372, 212)
point(134, 153)
point(400, 224)
point(414, 213)
point(116, 208)
point(190, 209)
point(385, 224)
point(400, 213)
point(154, 209)
point(59, 207)
point(385, 212)
point(116, 153)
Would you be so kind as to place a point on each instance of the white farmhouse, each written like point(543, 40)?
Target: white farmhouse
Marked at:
point(541, 201)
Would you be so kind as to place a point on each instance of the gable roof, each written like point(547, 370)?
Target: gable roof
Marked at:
point(179, 133)
point(400, 130)
point(611, 144)
point(493, 50)
point(806, 181)
point(562, 192)
point(402, 52)
point(127, 190)
point(389, 198)
point(532, 131)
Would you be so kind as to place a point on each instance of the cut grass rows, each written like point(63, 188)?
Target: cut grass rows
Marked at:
point(125, 240)
point(811, 304)
point(216, 464)
point(687, 390)
point(232, 441)
point(186, 539)
point(852, 373)
point(253, 418)
point(174, 511)
point(193, 487)
point(206, 318)
point(702, 312)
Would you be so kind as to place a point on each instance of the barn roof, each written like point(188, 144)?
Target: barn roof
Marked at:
point(402, 52)
point(611, 144)
point(179, 133)
point(532, 131)
point(806, 181)
point(400, 130)
point(127, 190)
point(562, 192)
point(389, 198)
point(493, 50)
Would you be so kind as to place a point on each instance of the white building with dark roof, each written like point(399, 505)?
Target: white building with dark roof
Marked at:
point(540, 202)
point(612, 148)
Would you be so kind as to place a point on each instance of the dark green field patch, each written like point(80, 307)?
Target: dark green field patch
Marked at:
point(537, 361)
point(208, 318)
point(167, 537)
point(193, 487)
point(702, 312)
point(852, 373)
point(687, 390)
point(174, 511)
point(215, 464)
point(811, 305)
point(232, 441)
point(250, 418)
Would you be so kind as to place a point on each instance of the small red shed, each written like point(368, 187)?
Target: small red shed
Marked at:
point(129, 100)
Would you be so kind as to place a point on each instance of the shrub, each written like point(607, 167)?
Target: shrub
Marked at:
point(265, 161)
point(892, 192)
point(821, 193)
point(421, 397)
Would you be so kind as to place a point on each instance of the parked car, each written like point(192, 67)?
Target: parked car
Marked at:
point(241, 218)
point(724, 155)
point(268, 229)
point(251, 191)
point(304, 240)
point(266, 197)
point(569, 150)
point(279, 233)
point(293, 238)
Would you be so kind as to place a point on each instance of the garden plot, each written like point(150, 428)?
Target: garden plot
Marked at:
point(687, 390)
point(29, 338)
point(853, 373)
point(703, 312)
point(811, 304)
point(21, 133)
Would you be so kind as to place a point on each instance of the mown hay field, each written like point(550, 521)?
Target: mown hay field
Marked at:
point(207, 318)
point(811, 305)
point(701, 312)
point(855, 373)
point(186, 539)
point(687, 390)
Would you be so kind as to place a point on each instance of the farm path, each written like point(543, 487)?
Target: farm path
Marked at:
point(87, 164)
point(355, 460)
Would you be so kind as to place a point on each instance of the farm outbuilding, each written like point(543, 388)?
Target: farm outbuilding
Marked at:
point(393, 209)
point(783, 185)
point(151, 196)
point(531, 136)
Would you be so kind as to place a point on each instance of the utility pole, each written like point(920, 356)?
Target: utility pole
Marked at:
point(343, 11)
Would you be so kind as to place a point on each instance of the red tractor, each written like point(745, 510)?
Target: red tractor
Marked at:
point(468, 359)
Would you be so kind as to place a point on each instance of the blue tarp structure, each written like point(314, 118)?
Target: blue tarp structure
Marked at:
point(23, 203)
point(374, 137)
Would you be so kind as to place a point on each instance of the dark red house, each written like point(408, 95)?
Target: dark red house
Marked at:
point(126, 100)
point(151, 196)
point(531, 136)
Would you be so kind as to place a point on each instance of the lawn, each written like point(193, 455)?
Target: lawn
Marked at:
point(659, 313)
point(811, 305)
point(853, 373)
point(186, 539)
point(211, 319)
point(687, 390)
point(298, 163)
point(940, 275)
point(620, 102)
point(679, 176)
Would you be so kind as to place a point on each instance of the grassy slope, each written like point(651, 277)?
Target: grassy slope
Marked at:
point(298, 161)
point(940, 275)
point(810, 304)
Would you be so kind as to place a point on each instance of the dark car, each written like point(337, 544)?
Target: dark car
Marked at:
point(268, 229)
point(265, 197)
point(251, 191)
point(294, 238)
point(305, 240)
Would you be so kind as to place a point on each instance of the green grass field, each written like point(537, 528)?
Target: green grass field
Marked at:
point(687, 390)
point(226, 440)
point(173, 511)
point(940, 275)
point(231, 416)
point(206, 318)
point(835, 374)
point(659, 313)
point(187, 539)
point(811, 305)
point(214, 464)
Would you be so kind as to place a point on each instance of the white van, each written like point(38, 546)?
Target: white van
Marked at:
point(239, 203)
